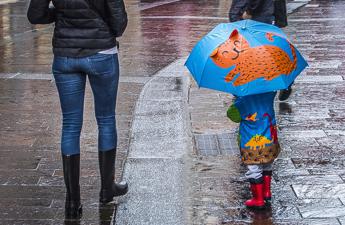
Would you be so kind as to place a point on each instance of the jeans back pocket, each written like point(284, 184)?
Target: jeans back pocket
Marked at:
point(103, 64)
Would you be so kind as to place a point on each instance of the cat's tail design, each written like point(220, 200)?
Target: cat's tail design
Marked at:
point(294, 56)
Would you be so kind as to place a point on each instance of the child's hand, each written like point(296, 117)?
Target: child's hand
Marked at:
point(233, 114)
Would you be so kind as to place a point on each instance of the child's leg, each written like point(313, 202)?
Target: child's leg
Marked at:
point(267, 167)
point(254, 172)
point(267, 177)
point(254, 175)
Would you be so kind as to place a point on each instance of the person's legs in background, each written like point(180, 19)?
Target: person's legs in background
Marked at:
point(236, 10)
point(285, 94)
point(104, 78)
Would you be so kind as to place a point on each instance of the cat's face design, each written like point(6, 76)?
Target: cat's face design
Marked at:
point(228, 53)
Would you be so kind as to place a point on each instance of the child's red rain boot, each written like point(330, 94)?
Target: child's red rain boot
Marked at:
point(267, 177)
point(257, 202)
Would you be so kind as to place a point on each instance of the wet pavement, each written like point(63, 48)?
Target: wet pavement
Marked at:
point(309, 176)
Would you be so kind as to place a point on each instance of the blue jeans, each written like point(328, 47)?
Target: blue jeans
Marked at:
point(70, 78)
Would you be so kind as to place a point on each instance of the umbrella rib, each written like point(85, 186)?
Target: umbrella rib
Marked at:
point(202, 75)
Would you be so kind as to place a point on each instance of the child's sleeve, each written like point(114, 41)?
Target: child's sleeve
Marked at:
point(234, 114)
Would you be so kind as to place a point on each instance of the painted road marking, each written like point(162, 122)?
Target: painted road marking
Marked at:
point(144, 6)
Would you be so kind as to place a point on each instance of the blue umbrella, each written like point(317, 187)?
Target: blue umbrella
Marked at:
point(245, 58)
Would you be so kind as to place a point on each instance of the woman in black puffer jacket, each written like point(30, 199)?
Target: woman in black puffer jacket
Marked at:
point(84, 44)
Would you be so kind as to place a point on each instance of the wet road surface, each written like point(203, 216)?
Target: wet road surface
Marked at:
point(309, 176)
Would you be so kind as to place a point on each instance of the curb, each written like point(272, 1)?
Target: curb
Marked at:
point(161, 141)
point(293, 6)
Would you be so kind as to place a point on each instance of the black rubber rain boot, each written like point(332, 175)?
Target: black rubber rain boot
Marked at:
point(71, 170)
point(109, 189)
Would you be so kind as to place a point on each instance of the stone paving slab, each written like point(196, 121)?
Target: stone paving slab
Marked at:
point(153, 198)
point(322, 212)
point(319, 191)
point(312, 179)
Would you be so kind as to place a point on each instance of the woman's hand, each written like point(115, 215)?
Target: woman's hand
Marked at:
point(39, 12)
point(246, 15)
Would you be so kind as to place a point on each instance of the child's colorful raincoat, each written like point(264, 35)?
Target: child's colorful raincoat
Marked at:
point(258, 139)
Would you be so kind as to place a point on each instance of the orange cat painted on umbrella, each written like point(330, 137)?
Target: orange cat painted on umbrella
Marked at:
point(265, 61)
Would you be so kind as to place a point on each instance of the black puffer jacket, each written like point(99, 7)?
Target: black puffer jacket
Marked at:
point(82, 27)
point(261, 10)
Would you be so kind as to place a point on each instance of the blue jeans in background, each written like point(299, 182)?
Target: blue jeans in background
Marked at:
point(70, 77)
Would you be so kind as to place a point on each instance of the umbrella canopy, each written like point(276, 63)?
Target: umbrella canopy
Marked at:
point(245, 58)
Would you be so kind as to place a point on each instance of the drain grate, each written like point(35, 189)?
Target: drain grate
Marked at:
point(216, 144)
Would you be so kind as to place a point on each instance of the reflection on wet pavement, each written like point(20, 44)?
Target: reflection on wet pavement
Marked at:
point(284, 108)
point(147, 46)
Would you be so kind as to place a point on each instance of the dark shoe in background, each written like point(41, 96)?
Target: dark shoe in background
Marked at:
point(284, 94)
point(109, 189)
point(71, 170)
